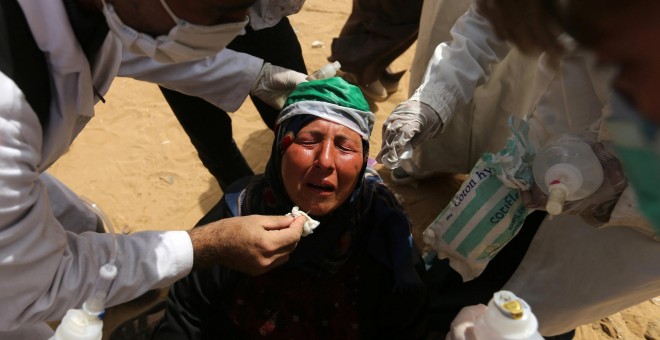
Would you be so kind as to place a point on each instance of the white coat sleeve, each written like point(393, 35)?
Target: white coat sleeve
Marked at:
point(45, 270)
point(459, 66)
point(224, 79)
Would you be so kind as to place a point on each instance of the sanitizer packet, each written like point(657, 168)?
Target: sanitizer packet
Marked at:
point(485, 214)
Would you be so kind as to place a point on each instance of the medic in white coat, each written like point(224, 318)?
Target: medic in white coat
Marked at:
point(46, 266)
point(572, 273)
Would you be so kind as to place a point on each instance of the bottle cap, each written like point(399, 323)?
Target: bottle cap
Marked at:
point(562, 180)
point(513, 309)
point(556, 198)
point(507, 317)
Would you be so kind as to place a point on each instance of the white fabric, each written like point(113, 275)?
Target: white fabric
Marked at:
point(474, 116)
point(224, 80)
point(574, 274)
point(38, 331)
point(68, 208)
point(567, 98)
point(184, 42)
point(437, 19)
point(310, 223)
point(573, 97)
point(45, 269)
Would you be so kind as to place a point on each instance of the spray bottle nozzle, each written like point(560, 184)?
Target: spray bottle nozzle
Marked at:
point(95, 305)
point(556, 198)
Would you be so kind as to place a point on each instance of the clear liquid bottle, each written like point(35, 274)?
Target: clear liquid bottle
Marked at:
point(327, 71)
point(566, 169)
point(508, 317)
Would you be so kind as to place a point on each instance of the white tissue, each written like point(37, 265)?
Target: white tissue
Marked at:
point(310, 223)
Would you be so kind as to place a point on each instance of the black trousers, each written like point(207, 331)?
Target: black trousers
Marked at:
point(374, 35)
point(209, 128)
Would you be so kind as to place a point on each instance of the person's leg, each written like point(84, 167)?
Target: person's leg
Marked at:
point(375, 34)
point(210, 131)
point(279, 46)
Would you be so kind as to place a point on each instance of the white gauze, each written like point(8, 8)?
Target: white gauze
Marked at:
point(310, 223)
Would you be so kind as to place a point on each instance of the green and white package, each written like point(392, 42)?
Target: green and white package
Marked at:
point(485, 214)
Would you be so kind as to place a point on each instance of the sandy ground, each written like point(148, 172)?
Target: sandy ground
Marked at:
point(135, 161)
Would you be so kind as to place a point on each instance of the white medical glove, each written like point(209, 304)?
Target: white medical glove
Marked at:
point(411, 123)
point(274, 84)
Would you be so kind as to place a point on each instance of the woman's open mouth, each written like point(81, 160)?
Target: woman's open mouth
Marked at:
point(321, 188)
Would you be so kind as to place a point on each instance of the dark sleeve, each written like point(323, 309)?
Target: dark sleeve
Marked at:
point(387, 313)
point(196, 307)
point(396, 300)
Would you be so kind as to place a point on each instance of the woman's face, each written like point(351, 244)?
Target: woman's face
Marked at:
point(320, 168)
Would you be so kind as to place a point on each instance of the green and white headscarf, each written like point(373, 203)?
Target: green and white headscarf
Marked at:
point(332, 99)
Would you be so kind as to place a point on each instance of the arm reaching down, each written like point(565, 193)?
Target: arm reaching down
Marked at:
point(250, 244)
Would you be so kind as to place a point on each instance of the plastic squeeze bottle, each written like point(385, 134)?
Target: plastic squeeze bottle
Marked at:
point(566, 169)
point(508, 317)
point(327, 71)
point(87, 323)
point(78, 324)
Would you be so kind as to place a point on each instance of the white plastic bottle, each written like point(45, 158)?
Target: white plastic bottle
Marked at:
point(567, 169)
point(508, 317)
point(327, 71)
point(87, 323)
point(78, 324)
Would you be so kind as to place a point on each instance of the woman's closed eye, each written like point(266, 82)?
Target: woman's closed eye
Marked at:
point(347, 145)
point(343, 144)
point(307, 140)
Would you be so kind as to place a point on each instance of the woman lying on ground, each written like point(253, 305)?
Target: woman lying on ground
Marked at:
point(357, 275)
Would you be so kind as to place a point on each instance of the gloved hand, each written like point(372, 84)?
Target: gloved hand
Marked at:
point(411, 123)
point(597, 207)
point(274, 84)
point(462, 327)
